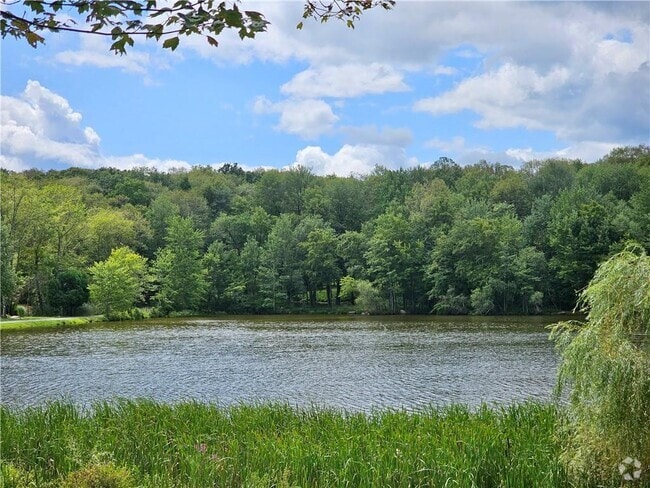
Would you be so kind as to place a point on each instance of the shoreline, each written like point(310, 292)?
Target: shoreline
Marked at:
point(45, 322)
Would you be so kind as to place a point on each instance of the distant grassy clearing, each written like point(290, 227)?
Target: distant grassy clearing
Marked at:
point(200, 445)
point(46, 322)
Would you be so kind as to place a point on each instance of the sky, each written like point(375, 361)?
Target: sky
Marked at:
point(504, 82)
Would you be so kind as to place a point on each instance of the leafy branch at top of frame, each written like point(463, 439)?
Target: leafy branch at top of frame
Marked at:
point(123, 20)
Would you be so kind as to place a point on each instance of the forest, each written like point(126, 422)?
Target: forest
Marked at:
point(443, 238)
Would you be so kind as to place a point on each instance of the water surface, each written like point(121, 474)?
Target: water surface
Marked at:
point(356, 363)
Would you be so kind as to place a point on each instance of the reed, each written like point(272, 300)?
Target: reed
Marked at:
point(199, 445)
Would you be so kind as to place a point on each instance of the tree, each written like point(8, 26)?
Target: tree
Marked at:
point(580, 231)
point(118, 282)
point(123, 21)
point(7, 272)
point(178, 268)
point(108, 229)
point(395, 260)
point(321, 261)
point(605, 362)
point(68, 290)
point(482, 261)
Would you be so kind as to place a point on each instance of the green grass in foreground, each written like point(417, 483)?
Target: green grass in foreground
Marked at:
point(46, 322)
point(148, 444)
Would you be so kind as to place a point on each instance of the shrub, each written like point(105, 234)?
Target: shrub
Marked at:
point(99, 476)
point(11, 476)
point(21, 311)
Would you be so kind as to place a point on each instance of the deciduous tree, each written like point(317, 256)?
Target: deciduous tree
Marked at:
point(118, 282)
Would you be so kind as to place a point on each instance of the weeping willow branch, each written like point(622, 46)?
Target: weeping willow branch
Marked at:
point(605, 366)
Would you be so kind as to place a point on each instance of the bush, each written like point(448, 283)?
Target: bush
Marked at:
point(99, 476)
point(87, 309)
point(21, 311)
point(370, 299)
point(11, 476)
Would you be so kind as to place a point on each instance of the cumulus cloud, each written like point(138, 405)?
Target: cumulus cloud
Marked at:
point(306, 118)
point(494, 95)
point(345, 81)
point(571, 105)
point(40, 126)
point(352, 159)
point(559, 67)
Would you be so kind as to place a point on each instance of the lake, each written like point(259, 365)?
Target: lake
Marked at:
point(350, 362)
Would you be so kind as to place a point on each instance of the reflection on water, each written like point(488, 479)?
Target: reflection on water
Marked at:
point(352, 363)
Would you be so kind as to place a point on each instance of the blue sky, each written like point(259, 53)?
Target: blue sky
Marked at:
point(501, 81)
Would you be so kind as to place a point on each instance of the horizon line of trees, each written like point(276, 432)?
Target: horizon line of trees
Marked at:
point(484, 238)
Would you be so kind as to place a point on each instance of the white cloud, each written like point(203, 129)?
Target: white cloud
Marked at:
point(494, 95)
point(462, 153)
point(386, 136)
point(305, 118)
point(548, 66)
point(12, 164)
point(141, 161)
point(352, 159)
point(345, 81)
point(94, 51)
point(570, 105)
point(41, 127)
point(588, 151)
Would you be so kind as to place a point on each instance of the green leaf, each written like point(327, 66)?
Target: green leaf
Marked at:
point(33, 39)
point(233, 18)
point(299, 26)
point(171, 43)
point(35, 5)
point(20, 24)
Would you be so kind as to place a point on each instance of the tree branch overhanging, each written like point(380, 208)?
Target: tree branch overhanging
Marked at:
point(122, 19)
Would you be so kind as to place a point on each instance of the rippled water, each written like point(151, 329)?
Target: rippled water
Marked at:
point(355, 363)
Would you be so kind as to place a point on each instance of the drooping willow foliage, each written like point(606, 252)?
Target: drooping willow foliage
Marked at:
point(605, 363)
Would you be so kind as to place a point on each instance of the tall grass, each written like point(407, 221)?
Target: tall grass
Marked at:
point(201, 445)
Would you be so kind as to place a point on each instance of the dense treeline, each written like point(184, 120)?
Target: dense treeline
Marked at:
point(484, 238)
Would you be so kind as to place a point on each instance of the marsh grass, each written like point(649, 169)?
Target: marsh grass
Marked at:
point(200, 445)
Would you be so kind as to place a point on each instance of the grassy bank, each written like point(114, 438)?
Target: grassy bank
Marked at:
point(47, 322)
point(147, 444)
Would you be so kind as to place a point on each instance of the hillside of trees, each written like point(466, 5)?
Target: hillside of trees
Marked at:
point(484, 238)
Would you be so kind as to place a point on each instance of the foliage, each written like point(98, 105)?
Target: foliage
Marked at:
point(178, 268)
point(153, 19)
point(200, 445)
point(369, 299)
point(605, 363)
point(484, 238)
point(99, 476)
point(118, 282)
point(68, 290)
point(12, 476)
point(7, 272)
